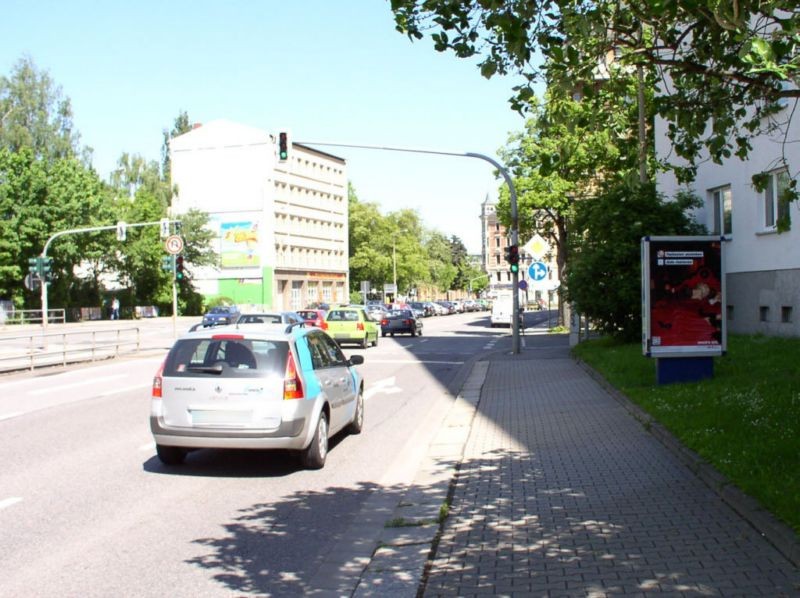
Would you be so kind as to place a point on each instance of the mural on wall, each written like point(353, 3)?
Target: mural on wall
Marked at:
point(238, 244)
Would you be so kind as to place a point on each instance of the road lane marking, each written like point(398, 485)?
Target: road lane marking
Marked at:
point(386, 386)
point(7, 502)
point(10, 415)
point(90, 380)
point(117, 391)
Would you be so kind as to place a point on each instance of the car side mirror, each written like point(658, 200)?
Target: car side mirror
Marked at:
point(356, 359)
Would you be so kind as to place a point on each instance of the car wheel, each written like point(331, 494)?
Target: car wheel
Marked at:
point(314, 456)
point(357, 424)
point(171, 455)
point(383, 333)
point(413, 332)
point(419, 332)
point(364, 343)
point(392, 333)
point(375, 342)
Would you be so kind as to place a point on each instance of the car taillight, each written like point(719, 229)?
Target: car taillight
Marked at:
point(292, 385)
point(158, 382)
point(324, 325)
point(407, 322)
point(228, 337)
point(359, 326)
point(384, 322)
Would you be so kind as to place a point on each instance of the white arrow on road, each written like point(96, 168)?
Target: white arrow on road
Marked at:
point(386, 386)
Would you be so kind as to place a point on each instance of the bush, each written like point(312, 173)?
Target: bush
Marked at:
point(604, 275)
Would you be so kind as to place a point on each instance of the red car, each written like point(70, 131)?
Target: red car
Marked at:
point(313, 317)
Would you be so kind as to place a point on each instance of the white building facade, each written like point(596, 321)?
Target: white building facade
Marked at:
point(281, 227)
point(763, 265)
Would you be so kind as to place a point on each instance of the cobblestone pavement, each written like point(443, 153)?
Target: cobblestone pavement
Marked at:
point(562, 493)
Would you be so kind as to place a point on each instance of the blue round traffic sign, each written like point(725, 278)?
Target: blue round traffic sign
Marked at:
point(537, 271)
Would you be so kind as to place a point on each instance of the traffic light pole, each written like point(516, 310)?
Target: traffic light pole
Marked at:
point(515, 341)
point(74, 231)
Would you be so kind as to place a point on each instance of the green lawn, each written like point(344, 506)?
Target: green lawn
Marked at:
point(745, 421)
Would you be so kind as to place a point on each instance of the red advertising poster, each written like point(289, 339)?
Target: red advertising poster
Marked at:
point(683, 307)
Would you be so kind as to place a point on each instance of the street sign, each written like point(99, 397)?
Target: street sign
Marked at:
point(174, 244)
point(121, 230)
point(32, 282)
point(523, 285)
point(164, 223)
point(537, 271)
point(537, 247)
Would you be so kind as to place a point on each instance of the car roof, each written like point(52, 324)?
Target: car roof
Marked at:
point(249, 331)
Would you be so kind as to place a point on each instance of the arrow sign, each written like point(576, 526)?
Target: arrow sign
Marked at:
point(537, 271)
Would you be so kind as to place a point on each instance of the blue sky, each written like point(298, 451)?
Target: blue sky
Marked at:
point(328, 70)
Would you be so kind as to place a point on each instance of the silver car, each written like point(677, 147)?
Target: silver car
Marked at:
point(255, 387)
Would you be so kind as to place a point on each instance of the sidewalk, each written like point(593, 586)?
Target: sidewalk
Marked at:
point(559, 491)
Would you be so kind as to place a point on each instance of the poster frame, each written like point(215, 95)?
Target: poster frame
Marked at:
point(649, 349)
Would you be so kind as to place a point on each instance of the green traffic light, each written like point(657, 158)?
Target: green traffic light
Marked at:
point(514, 268)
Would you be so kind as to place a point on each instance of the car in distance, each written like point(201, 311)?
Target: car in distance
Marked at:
point(270, 317)
point(255, 387)
point(401, 321)
point(313, 317)
point(352, 325)
point(220, 315)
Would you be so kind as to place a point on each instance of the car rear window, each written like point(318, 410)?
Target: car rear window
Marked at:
point(226, 358)
point(308, 315)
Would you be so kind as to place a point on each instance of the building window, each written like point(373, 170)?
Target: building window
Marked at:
point(729, 310)
point(786, 314)
point(776, 208)
point(763, 313)
point(721, 206)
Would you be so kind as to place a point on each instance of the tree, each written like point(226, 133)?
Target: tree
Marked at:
point(722, 68)
point(442, 271)
point(37, 199)
point(604, 278)
point(34, 114)
point(180, 126)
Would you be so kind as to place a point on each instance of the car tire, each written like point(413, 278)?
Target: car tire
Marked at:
point(365, 342)
point(357, 424)
point(375, 342)
point(413, 332)
point(419, 332)
point(383, 334)
point(171, 455)
point(313, 457)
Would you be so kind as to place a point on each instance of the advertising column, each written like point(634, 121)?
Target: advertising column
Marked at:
point(683, 298)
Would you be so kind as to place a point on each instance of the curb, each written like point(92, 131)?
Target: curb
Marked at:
point(777, 533)
point(399, 565)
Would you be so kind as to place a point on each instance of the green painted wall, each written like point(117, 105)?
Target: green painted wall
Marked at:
point(248, 293)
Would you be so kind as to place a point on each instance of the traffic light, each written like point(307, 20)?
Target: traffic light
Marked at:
point(179, 267)
point(166, 263)
point(284, 144)
point(513, 258)
point(47, 267)
point(33, 265)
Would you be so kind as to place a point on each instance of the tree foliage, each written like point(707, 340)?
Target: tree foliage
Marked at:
point(35, 115)
point(382, 246)
point(604, 279)
point(723, 69)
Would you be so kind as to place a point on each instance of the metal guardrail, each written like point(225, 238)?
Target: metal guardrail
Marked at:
point(37, 349)
point(32, 316)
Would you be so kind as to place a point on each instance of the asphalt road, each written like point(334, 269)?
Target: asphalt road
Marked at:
point(86, 508)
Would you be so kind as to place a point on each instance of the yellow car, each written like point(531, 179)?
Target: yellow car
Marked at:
point(352, 325)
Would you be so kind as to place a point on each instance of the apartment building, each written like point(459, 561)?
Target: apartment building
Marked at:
point(763, 265)
point(281, 228)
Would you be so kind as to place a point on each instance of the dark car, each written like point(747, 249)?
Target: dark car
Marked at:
point(220, 315)
point(425, 308)
point(401, 321)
